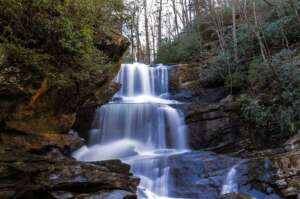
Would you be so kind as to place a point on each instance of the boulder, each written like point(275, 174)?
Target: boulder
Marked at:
point(286, 173)
point(293, 143)
point(203, 175)
point(28, 175)
point(117, 194)
point(236, 196)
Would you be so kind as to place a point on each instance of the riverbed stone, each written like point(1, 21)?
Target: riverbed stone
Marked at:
point(293, 143)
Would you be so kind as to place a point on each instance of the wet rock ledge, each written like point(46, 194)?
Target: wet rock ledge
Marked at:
point(41, 173)
point(214, 124)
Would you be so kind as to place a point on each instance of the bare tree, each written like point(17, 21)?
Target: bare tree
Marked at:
point(258, 34)
point(153, 35)
point(175, 16)
point(147, 50)
point(138, 41)
point(295, 7)
point(160, 9)
point(235, 42)
point(216, 21)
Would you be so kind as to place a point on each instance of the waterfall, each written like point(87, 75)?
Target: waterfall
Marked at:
point(140, 126)
point(140, 79)
point(230, 184)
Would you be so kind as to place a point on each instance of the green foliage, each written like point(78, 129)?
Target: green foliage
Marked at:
point(271, 100)
point(278, 26)
point(221, 69)
point(54, 35)
point(216, 69)
point(187, 47)
point(77, 42)
point(270, 119)
point(274, 109)
point(237, 80)
point(255, 113)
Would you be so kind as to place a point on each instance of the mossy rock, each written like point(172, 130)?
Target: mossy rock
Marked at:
point(55, 58)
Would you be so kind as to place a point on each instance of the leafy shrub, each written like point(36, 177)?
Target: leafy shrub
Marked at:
point(237, 81)
point(61, 28)
point(272, 87)
point(216, 69)
point(255, 113)
point(221, 69)
point(185, 48)
point(274, 107)
point(272, 119)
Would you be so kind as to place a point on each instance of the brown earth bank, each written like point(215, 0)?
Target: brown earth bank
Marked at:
point(214, 123)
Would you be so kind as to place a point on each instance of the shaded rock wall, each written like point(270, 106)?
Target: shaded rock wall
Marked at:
point(56, 63)
point(211, 115)
point(51, 175)
point(213, 122)
point(286, 168)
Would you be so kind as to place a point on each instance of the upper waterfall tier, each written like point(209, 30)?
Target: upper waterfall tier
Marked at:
point(141, 80)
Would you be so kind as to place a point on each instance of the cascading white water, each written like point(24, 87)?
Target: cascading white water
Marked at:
point(230, 184)
point(140, 127)
point(141, 80)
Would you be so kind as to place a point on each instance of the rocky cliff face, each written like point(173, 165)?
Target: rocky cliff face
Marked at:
point(213, 121)
point(286, 169)
point(55, 65)
point(211, 114)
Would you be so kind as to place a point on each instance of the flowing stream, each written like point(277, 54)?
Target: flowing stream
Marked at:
point(230, 184)
point(140, 127)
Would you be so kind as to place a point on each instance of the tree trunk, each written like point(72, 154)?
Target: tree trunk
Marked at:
point(153, 35)
point(258, 34)
point(175, 16)
point(148, 53)
point(235, 42)
point(159, 39)
point(138, 41)
point(183, 12)
point(294, 6)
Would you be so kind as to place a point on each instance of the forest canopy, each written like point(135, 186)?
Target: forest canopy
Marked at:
point(54, 32)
